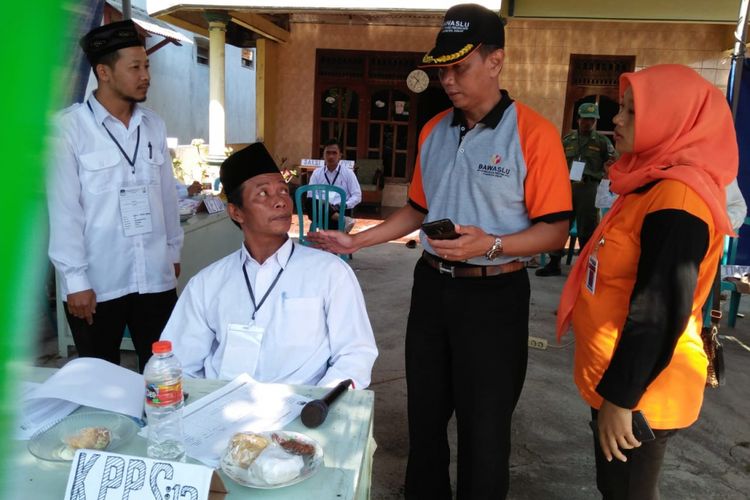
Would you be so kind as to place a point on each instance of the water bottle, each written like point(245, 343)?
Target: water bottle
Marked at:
point(163, 377)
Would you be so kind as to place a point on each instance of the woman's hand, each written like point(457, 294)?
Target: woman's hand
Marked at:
point(615, 431)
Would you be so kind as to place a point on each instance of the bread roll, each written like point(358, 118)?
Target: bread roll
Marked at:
point(92, 438)
point(244, 448)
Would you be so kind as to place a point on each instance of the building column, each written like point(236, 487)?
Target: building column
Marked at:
point(217, 30)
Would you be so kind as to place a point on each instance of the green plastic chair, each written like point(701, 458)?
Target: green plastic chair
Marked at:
point(320, 212)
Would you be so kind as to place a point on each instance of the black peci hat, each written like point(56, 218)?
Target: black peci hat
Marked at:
point(465, 28)
point(109, 38)
point(245, 164)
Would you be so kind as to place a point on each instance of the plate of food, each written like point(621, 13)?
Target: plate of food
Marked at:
point(96, 430)
point(270, 460)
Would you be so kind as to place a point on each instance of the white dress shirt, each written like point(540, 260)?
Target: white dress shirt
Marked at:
point(88, 245)
point(317, 331)
point(736, 207)
point(342, 177)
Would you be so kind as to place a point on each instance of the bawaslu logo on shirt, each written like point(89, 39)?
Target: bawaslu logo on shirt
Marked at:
point(493, 168)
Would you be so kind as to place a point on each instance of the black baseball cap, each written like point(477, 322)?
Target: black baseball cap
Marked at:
point(109, 38)
point(465, 28)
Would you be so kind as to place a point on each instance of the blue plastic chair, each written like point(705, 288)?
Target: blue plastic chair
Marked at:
point(730, 254)
point(320, 212)
point(727, 259)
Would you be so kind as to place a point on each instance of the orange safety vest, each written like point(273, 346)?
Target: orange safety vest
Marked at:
point(672, 400)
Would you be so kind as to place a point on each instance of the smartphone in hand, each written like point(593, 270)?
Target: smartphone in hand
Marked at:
point(641, 430)
point(442, 229)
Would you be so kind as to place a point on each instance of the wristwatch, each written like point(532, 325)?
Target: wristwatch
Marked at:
point(496, 250)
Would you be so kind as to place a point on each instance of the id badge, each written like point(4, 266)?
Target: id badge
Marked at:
point(241, 351)
point(591, 270)
point(576, 170)
point(135, 210)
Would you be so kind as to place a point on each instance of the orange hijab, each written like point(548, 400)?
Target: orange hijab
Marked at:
point(683, 131)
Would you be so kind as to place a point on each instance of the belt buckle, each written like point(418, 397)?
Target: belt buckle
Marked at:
point(445, 270)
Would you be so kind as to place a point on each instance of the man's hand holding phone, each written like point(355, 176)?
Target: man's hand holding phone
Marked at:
point(616, 428)
point(460, 243)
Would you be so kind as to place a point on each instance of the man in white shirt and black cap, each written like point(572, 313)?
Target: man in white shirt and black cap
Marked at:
point(115, 235)
point(274, 309)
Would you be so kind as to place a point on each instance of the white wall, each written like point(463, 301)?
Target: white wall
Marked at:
point(179, 91)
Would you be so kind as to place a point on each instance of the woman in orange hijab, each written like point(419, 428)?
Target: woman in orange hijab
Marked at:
point(634, 296)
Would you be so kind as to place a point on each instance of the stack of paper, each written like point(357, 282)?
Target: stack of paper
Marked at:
point(82, 382)
point(242, 405)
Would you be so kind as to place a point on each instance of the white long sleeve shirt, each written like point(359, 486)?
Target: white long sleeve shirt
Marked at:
point(736, 206)
point(88, 245)
point(317, 331)
point(342, 177)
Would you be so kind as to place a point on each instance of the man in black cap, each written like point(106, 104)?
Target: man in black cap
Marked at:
point(279, 311)
point(115, 235)
point(496, 169)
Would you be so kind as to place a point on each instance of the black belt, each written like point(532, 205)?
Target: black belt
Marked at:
point(589, 178)
point(470, 271)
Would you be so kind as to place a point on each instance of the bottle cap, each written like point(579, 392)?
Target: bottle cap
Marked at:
point(161, 347)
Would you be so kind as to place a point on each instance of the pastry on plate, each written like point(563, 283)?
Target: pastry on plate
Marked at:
point(92, 438)
point(244, 448)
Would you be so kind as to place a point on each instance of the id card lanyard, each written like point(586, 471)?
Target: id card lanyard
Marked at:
point(338, 171)
point(257, 306)
point(119, 146)
point(592, 266)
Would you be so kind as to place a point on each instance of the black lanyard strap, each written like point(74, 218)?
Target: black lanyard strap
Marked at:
point(257, 307)
point(137, 142)
point(338, 171)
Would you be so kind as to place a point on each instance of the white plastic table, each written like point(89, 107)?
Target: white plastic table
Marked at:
point(346, 438)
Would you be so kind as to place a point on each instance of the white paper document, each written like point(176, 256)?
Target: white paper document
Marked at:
point(81, 382)
point(213, 204)
point(135, 210)
point(576, 170)
point(36, 414)
point(241, 405)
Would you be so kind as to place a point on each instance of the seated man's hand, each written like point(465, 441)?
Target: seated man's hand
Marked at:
point(83, 305)
point(194, 188)
point(333, 241)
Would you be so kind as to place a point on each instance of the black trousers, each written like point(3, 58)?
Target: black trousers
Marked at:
point(332, 222)
point(636, 479)
point(145, 315)
point(585, 213)
point(466, 351)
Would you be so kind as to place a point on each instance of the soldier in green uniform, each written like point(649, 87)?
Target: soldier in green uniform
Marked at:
point(588, 153)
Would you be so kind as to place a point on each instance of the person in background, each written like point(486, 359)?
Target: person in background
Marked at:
point(115, 235)
point(496, 168)
point(279, 311)
point(587, 149)
point(333, 174)
point(185, 191)
point(635, 295)
point(736, 206)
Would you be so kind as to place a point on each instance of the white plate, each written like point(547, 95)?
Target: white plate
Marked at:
point(49, 443)
point(311, 463)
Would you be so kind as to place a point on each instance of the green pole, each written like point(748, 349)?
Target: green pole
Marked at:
point(34, 49)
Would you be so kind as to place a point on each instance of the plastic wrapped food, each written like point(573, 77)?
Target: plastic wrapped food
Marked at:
point(275, 466)
point(244, 448)
point(93, 438)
